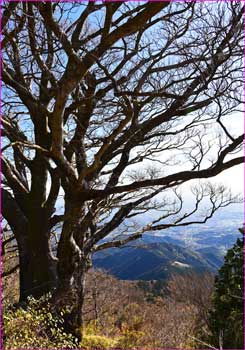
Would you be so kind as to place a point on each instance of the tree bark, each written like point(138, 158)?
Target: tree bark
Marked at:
point(37, 265)
point(71, 299)
point(72, 267)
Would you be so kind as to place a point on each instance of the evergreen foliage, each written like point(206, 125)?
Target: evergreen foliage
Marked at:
point(226, 317)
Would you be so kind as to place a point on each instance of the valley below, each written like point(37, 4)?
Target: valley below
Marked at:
point(197, 248)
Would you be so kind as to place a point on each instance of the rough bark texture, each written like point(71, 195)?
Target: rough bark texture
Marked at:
point(36, 263)
point(70, 297)
point(72, 266)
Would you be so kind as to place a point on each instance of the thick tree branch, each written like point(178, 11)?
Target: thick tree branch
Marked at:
point(117, 243)
point(12, 270)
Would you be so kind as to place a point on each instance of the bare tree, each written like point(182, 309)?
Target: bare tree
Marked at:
point(113, 105)
point(106, 297)
point(194, 289)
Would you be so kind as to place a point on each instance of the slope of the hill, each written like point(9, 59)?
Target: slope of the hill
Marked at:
point(150, 261)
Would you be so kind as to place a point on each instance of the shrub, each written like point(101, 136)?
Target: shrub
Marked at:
point(33, 325)
point(91, 341)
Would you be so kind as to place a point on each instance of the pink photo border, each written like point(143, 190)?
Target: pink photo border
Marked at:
point(1, 329)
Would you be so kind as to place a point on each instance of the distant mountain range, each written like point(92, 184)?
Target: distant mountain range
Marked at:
point(156, 257)
point(152, 261)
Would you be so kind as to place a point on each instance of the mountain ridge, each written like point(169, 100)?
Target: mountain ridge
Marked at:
point(147, 261)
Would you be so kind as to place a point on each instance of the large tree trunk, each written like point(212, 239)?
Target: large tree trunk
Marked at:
point(37, 265)
point(37, 274)
point(71, 298)
point(72, 267)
